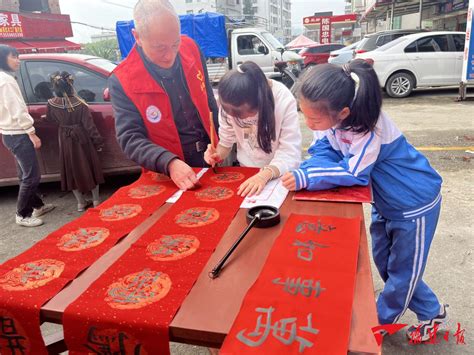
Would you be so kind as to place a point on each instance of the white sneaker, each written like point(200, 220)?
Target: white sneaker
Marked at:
point(43, 210)
point(28, 221)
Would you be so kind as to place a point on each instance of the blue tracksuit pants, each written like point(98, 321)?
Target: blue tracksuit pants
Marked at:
point(400, 250)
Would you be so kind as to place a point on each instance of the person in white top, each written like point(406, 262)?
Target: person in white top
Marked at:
point(261, 116)
point(19, 137)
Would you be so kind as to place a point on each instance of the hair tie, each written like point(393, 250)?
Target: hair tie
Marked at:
point(346, 69)
point(239, 69)
point(356, 79)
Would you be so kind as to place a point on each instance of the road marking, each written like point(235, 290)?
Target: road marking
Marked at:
point(436, 149)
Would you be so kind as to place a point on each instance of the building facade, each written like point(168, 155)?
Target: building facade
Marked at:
point(378, 15)
point(274, 14)
point(231, 8)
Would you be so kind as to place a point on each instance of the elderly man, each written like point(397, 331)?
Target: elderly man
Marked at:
point(162, 97)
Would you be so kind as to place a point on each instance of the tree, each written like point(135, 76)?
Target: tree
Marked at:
point(107, 48)
point(248, 8)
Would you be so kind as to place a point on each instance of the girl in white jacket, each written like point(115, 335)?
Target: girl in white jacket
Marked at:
point(261, 116)
point(19, 137)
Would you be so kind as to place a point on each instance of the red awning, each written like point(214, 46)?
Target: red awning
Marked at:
point(31, 46)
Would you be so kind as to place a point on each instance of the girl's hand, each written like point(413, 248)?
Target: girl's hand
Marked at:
point(210, 155)
point(288, 180)
point(254, 185)
point(35, 140)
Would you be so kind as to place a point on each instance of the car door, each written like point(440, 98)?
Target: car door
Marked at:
point(90, 86)
point(250, 47)
point(432, 60)
point(458, 44)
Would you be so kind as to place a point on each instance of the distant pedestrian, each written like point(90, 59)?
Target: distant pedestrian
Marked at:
point(19, 137)
point(79, 141)
point(355, 142)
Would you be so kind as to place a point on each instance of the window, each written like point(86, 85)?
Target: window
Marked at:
point(429, 44)
point(459, 41)
point(334, 47)
point(34, 5)
point(249, 45)
point(383, 40)
point(87, 84)
point(318, 49)
point(189, 1)
point(411, 48)
point(433, 44)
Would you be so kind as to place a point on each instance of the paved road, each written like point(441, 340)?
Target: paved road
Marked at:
point(432, 121)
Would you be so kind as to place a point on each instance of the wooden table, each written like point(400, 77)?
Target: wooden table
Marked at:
point(207, 313)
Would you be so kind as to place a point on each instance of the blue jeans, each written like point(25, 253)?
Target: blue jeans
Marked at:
point(22, 149)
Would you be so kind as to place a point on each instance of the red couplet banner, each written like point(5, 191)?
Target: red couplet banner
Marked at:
point(301, 302)
point(361, 194)
point(32, 278)
point(128, 309)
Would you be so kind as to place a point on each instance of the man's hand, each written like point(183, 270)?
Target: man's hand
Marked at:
point(288, 180)
point(211, 156)
point(255, 184)
point(35, 140)
point(182, 175)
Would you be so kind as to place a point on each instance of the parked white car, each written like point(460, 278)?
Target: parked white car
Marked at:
point(343, 55)
point(427, 59)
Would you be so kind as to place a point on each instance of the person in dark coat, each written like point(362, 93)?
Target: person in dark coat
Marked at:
point(79, 141)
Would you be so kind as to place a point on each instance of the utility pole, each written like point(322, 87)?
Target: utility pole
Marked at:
point(421, 13)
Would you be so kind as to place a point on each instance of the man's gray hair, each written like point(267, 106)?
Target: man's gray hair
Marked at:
point(149, 10)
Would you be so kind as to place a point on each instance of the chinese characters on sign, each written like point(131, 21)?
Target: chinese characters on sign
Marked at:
point(325, 31)
point(10, 25)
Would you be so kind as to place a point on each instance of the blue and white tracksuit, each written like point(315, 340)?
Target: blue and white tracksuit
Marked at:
point(407, 202)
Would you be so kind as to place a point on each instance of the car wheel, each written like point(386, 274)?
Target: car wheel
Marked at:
point(400, 85)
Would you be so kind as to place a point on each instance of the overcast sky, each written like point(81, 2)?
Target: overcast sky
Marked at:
point(103, 13)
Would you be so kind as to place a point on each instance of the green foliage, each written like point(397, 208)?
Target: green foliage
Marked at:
point(107, 49)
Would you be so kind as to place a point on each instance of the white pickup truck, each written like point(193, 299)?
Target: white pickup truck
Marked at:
point(257, 45)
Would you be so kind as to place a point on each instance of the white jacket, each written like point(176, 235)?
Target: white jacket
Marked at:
point(14, 116)
point(286, 149)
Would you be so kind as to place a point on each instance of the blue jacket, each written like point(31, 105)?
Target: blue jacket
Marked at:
point(404, 185)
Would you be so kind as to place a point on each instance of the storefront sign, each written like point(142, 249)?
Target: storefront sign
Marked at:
point(325, 31)
point(468, 60)
point(10, 25)
point(34, 26)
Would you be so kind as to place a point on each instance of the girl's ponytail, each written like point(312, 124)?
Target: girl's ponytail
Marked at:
point(367, 101)
point(354, 85)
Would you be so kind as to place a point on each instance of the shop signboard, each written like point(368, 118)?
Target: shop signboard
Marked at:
point(325, 32)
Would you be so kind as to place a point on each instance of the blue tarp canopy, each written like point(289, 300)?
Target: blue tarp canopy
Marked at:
point(207, 29)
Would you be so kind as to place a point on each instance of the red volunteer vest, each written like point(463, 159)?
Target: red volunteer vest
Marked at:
point(152, 100)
